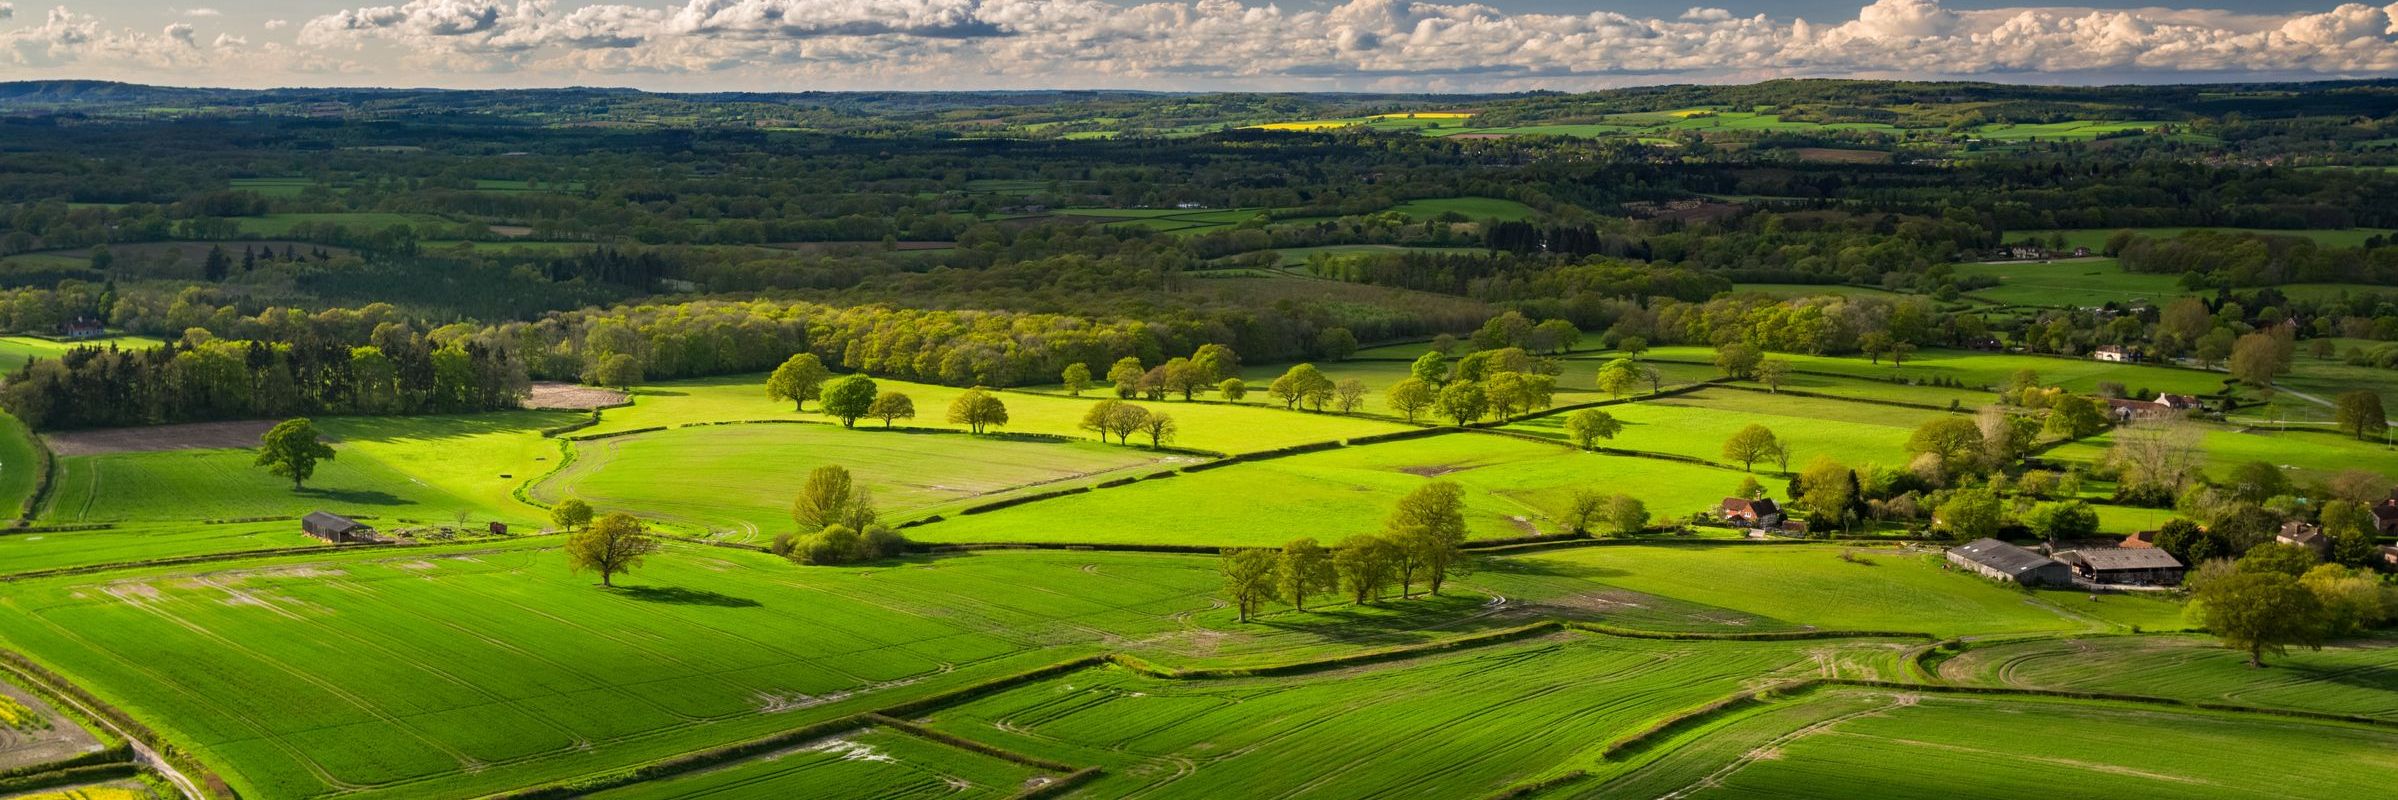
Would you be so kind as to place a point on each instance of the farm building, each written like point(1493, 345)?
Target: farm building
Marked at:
point(336, 528)
point(2127, 409)
point(2385, 517)
point(2305, 535)
point(2143, 539)
point(1996, 559)
point(2124, 565)
point(2386, 557)
point(2116, 353)
point(82, 328)
point(1762, 512)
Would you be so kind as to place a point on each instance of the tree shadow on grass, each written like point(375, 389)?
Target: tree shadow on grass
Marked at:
point(677, 595)
point(355, 497)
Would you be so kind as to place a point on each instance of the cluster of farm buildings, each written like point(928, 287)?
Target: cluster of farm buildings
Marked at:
point(2134, 562)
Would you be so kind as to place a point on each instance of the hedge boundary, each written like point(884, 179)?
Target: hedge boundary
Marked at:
point(69, 776)
point(50, 683)
point(45, 466)
point(1742, 636)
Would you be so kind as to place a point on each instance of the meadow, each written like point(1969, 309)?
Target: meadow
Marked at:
point(1985, 370)
point(2096, 238)
point(870, 764)
point(430, 469)
point(1243, 428)
point(738, 480)
point(2304, 455)
point(2015, 748)
point(16, 351)
point(2358, 677)
point(1513, 488)
point(1696, 425)
point(2071, 283)
point(46, 550)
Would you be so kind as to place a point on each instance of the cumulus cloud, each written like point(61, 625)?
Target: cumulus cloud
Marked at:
point(202, 12)
point(277, 24)
point(1382, 44)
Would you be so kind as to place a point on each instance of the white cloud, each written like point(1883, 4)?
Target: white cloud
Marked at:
point(1365, 44)
point(277, 24)
point(202, 12)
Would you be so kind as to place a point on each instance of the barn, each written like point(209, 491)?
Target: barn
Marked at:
point(336, 528)
point(2125, 565)
point(1996, 559)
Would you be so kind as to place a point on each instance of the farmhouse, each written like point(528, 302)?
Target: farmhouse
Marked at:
point(2385, 516)
point(1761, 512)
point(2126, 409)
point(82, 328)
point(1996, 559)
point(2116, 353)
point(2129, 566)
point(2305, 535)
point(335, 528)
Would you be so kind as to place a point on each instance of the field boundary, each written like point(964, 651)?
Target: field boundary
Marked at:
point(147, 745)
point(45, 468)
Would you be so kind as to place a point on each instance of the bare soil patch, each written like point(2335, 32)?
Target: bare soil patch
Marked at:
point(512, 231)
point(34, 733)
point(187, 436)
point(572, 397)
point(1828, 155)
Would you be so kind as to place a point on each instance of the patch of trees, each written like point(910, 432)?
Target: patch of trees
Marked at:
point(210, 379)
point(838, 523)
point(1421, 543)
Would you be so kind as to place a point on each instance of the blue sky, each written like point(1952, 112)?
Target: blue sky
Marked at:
point(1388, 45)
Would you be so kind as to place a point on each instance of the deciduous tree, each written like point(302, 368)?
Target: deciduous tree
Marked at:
point(978, 410)
point(2261, 612)
point(1411, 396)
point(291, 450)
point(1430, 524)
point(570, 514)
point(890, 406)
point(798, 380)
point(848, 398)
point(1077, 378)
point(1589, 425)
point(1305, 569)
point(1365, 563)
point(2360, 413)
point(1750, 445)
point(1249, 578)
point(617, 543)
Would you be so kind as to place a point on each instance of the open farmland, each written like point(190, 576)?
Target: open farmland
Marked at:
point(1248, 427)
point(1514, 488)
point(2071, 283)
point(1987, 370)
point(16, 350)
point(2359, 678)
point(1696, 425)
point(2023, 748)
point(737, 479)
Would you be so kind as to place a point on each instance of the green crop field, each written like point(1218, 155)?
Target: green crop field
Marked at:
point(134, 542)
point(739, 479)
point(1696, 425)
point(1514, 488)
point(2348, 678)
point(1248, 427)
point(2076, 282)
point(2095, 238)
point(425, 468)
point(2077, 130)
point(871, 764)
point(2306, 455)
point(20, 464)
point(15, 351)
point(1299, 256)
point(2013, 748)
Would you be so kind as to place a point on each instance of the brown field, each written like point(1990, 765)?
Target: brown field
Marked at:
point(571, 397)
point(156, 438)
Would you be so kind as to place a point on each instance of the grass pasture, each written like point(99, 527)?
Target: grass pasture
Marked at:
point(1513, 488)
point(1697, 424)
point(2306, 456)
point(2075, 283)
point(1989, 370)
point(1248, 427)
point(739, 479)
point(872, 764)
point(424, 468)
point(274, 226)
point(2345, 678)
point(2095, 238)
point(15, 351)
point(1926, 746)
point(2070, 131)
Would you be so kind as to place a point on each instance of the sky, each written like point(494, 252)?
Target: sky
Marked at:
point(1180, 45)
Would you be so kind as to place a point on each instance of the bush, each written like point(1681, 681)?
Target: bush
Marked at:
point(840, 544)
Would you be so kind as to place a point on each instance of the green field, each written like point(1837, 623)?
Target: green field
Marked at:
point(1986, 370)
point(279, 225)
point(1298, 256)
point(2011, 748)
point(2306, 456)
point(128, 543)
point(739, 479)
point(2074, 131)
point(15, 351)
point(20, 464)
point(427, 469)
point(2077, 283)
point(1514, 488)
point(1229, 428)
point(2095, 238)
point(2351, 678)
point(1696, 425)
point(870, 764)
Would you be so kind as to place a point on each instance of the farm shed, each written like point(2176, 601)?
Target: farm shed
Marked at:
point(2385, 516)
point(1996, 559)
point(336, 528)
point(2123, 565)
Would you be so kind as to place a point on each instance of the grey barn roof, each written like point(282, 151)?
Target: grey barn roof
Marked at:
point(329, 521)
point(2001, 556)
point(2110, 559)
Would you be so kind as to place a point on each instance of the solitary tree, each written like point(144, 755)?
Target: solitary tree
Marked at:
point(1249, 578)
point(824, 499)
point(1626, 514)
point(570, 514)
point(890, 406)
point(1233, 389)
point(616, 543)
point(848, 398)
point(1589, 425)
point(2360, 413)
point(291, 450)
point(2258, 358)
point(1349, 395)
point(797, 380)
point(978, 410)
point(1305, 569)
point(1077, 378)
point(1750, 445)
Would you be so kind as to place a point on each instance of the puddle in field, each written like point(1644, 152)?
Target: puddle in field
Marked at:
point(850, 751)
